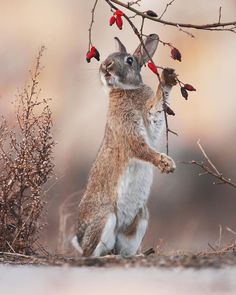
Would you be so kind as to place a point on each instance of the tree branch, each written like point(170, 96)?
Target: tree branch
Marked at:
point(210, 168)
point(217, 26)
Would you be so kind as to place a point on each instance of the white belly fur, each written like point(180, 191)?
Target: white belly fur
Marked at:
point(133, 191)
point(135, 183)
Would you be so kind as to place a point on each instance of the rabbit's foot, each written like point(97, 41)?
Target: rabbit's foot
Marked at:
point(166, 164)
point(169, 77)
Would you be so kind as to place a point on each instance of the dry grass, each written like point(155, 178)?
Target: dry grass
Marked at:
point(26, 164)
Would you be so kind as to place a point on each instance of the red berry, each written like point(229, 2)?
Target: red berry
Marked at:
point(119, 12)
point(119, 22)
point(152, 67)
point(189, 87)
point(93, 52)
point(97, 54)
point(89, 55)
point(175, 54)
point(112, 20)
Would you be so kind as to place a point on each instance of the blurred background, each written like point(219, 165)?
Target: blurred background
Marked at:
point(185, 209)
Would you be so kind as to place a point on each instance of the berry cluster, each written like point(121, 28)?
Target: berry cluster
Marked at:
point(93, 52)
point(176, 55)
point(117, 18)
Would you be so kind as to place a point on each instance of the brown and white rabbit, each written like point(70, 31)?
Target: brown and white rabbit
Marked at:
point(113, 215)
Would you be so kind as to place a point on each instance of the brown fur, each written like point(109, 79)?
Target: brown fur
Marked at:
point(122, 141)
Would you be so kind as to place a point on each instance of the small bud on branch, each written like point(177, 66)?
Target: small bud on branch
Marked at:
point(151, 13)
point(189, 87)
point(175, 54)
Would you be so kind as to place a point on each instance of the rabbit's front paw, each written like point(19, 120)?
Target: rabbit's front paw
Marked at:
point(166, 164)
point(169, 77)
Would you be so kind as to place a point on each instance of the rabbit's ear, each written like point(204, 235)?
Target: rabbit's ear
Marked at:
point(120, 46)
point(150, 44)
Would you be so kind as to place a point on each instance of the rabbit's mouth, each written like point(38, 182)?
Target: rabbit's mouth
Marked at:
point(108, 79)
point(107, 75)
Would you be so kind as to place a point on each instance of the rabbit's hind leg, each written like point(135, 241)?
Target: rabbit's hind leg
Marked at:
point(108, 237)
point(128, 243)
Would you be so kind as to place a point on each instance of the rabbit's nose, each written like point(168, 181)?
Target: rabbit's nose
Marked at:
point(109, 64)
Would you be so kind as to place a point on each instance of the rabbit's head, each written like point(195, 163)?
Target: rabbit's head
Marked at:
point(122, 70)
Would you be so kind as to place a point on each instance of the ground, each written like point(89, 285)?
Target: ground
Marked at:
point(200, 260)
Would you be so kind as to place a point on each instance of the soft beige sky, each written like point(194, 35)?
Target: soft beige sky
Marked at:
point(79, 103)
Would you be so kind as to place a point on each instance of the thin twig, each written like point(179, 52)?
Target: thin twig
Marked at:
point(206, 157)
point(167, 130)
point(184, 31)
point(9, 245)
point(230, 230)
point(149, 252)
point(17, 255)
point(20, 229)
point(220, 236)
point(42, 249)
point(91, 24)
point(212, 247)
point(130, 3)
point(30, 259)
point(141, 28)
point(219, 14)
point(211, 169)
point(166, 8)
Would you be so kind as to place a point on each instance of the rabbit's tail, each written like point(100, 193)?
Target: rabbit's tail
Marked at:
point(76, 245)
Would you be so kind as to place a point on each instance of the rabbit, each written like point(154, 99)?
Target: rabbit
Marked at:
point(113, 214)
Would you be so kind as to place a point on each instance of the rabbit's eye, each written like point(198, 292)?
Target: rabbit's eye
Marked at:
point(129, 60)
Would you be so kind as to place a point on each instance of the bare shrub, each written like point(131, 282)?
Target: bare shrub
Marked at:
point(26, 164)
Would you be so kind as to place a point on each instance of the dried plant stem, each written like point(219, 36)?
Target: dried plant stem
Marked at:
point(16, 255)
point(206, 157)
point(130, 3)
point(220, 10)
point(91, 24)
point(210, 168)
point(167, 131)
point(166, 8)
